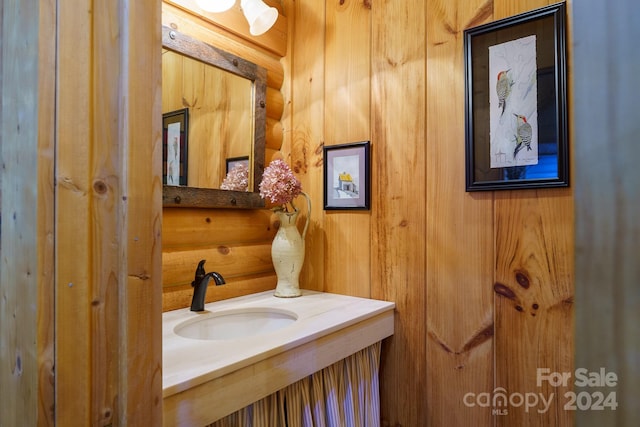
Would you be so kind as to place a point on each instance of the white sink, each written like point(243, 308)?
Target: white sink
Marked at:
point(235, 323)
point(211, 374)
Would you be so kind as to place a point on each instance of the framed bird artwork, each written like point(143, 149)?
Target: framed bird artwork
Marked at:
point(515, 102)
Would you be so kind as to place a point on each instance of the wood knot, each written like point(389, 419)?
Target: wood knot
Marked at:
point(18, 366)
point(299, 166)
point(100, 187)
point(504, 290)
point(224, 250)
point(523, 279)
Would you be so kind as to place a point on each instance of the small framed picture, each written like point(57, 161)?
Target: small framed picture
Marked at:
point(232, 162)
point(347, 176)
point(516, 96)
point(175, 135)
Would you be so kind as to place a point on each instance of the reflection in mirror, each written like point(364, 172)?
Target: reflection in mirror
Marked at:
point(225, 99)
point(220, 122)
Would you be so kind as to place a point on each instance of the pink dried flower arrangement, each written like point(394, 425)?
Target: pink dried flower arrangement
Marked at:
point(237, 179)
point(279, 185)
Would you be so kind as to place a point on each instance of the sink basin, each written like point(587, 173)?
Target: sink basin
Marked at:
point(234, 324)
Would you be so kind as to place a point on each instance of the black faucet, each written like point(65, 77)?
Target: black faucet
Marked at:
point(200, 285)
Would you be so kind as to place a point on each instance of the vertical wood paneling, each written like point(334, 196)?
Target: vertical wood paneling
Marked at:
point(140, 373)
point(46, 218)
point(108, 220)
point(106, 186)
point(27, 56)
point(399, 201)
point(437, 251)
point(606, 68)
point(304, 131)
point(534, 247)
point(73, 263)
point(459, 233)
point(506, 8)
point(534, 299)
point(347, 119)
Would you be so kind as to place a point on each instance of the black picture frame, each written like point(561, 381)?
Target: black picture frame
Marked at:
point(503, 149)
point(347, 177)
point(180, 117)
point(232, 162)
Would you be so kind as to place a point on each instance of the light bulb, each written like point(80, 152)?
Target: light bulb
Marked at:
point(260, 16)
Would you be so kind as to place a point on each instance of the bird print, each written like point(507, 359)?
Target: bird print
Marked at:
point(523, 134)
point(503, 89)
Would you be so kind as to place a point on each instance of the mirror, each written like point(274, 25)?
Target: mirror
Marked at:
point(215, 107)
point(213, 103)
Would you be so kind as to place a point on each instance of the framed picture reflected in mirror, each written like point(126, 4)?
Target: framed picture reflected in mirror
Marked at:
point(175, 140)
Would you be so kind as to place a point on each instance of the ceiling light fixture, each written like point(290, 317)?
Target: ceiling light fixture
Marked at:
point(259, 15)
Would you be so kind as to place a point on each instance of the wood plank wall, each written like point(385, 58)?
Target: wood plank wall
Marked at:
point(392, 72)
point(108, 198)
point(453, 333)
point(460, 253)
point(81, 191)
point(27, 56)
point(236, 243)
point(606, 93)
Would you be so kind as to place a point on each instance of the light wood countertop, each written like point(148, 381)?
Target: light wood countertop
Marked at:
point(200, 373)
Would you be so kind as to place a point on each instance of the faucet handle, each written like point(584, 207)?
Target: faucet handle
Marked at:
point(200, 273)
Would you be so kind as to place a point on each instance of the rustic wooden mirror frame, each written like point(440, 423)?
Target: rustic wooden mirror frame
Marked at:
point(177, 196)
